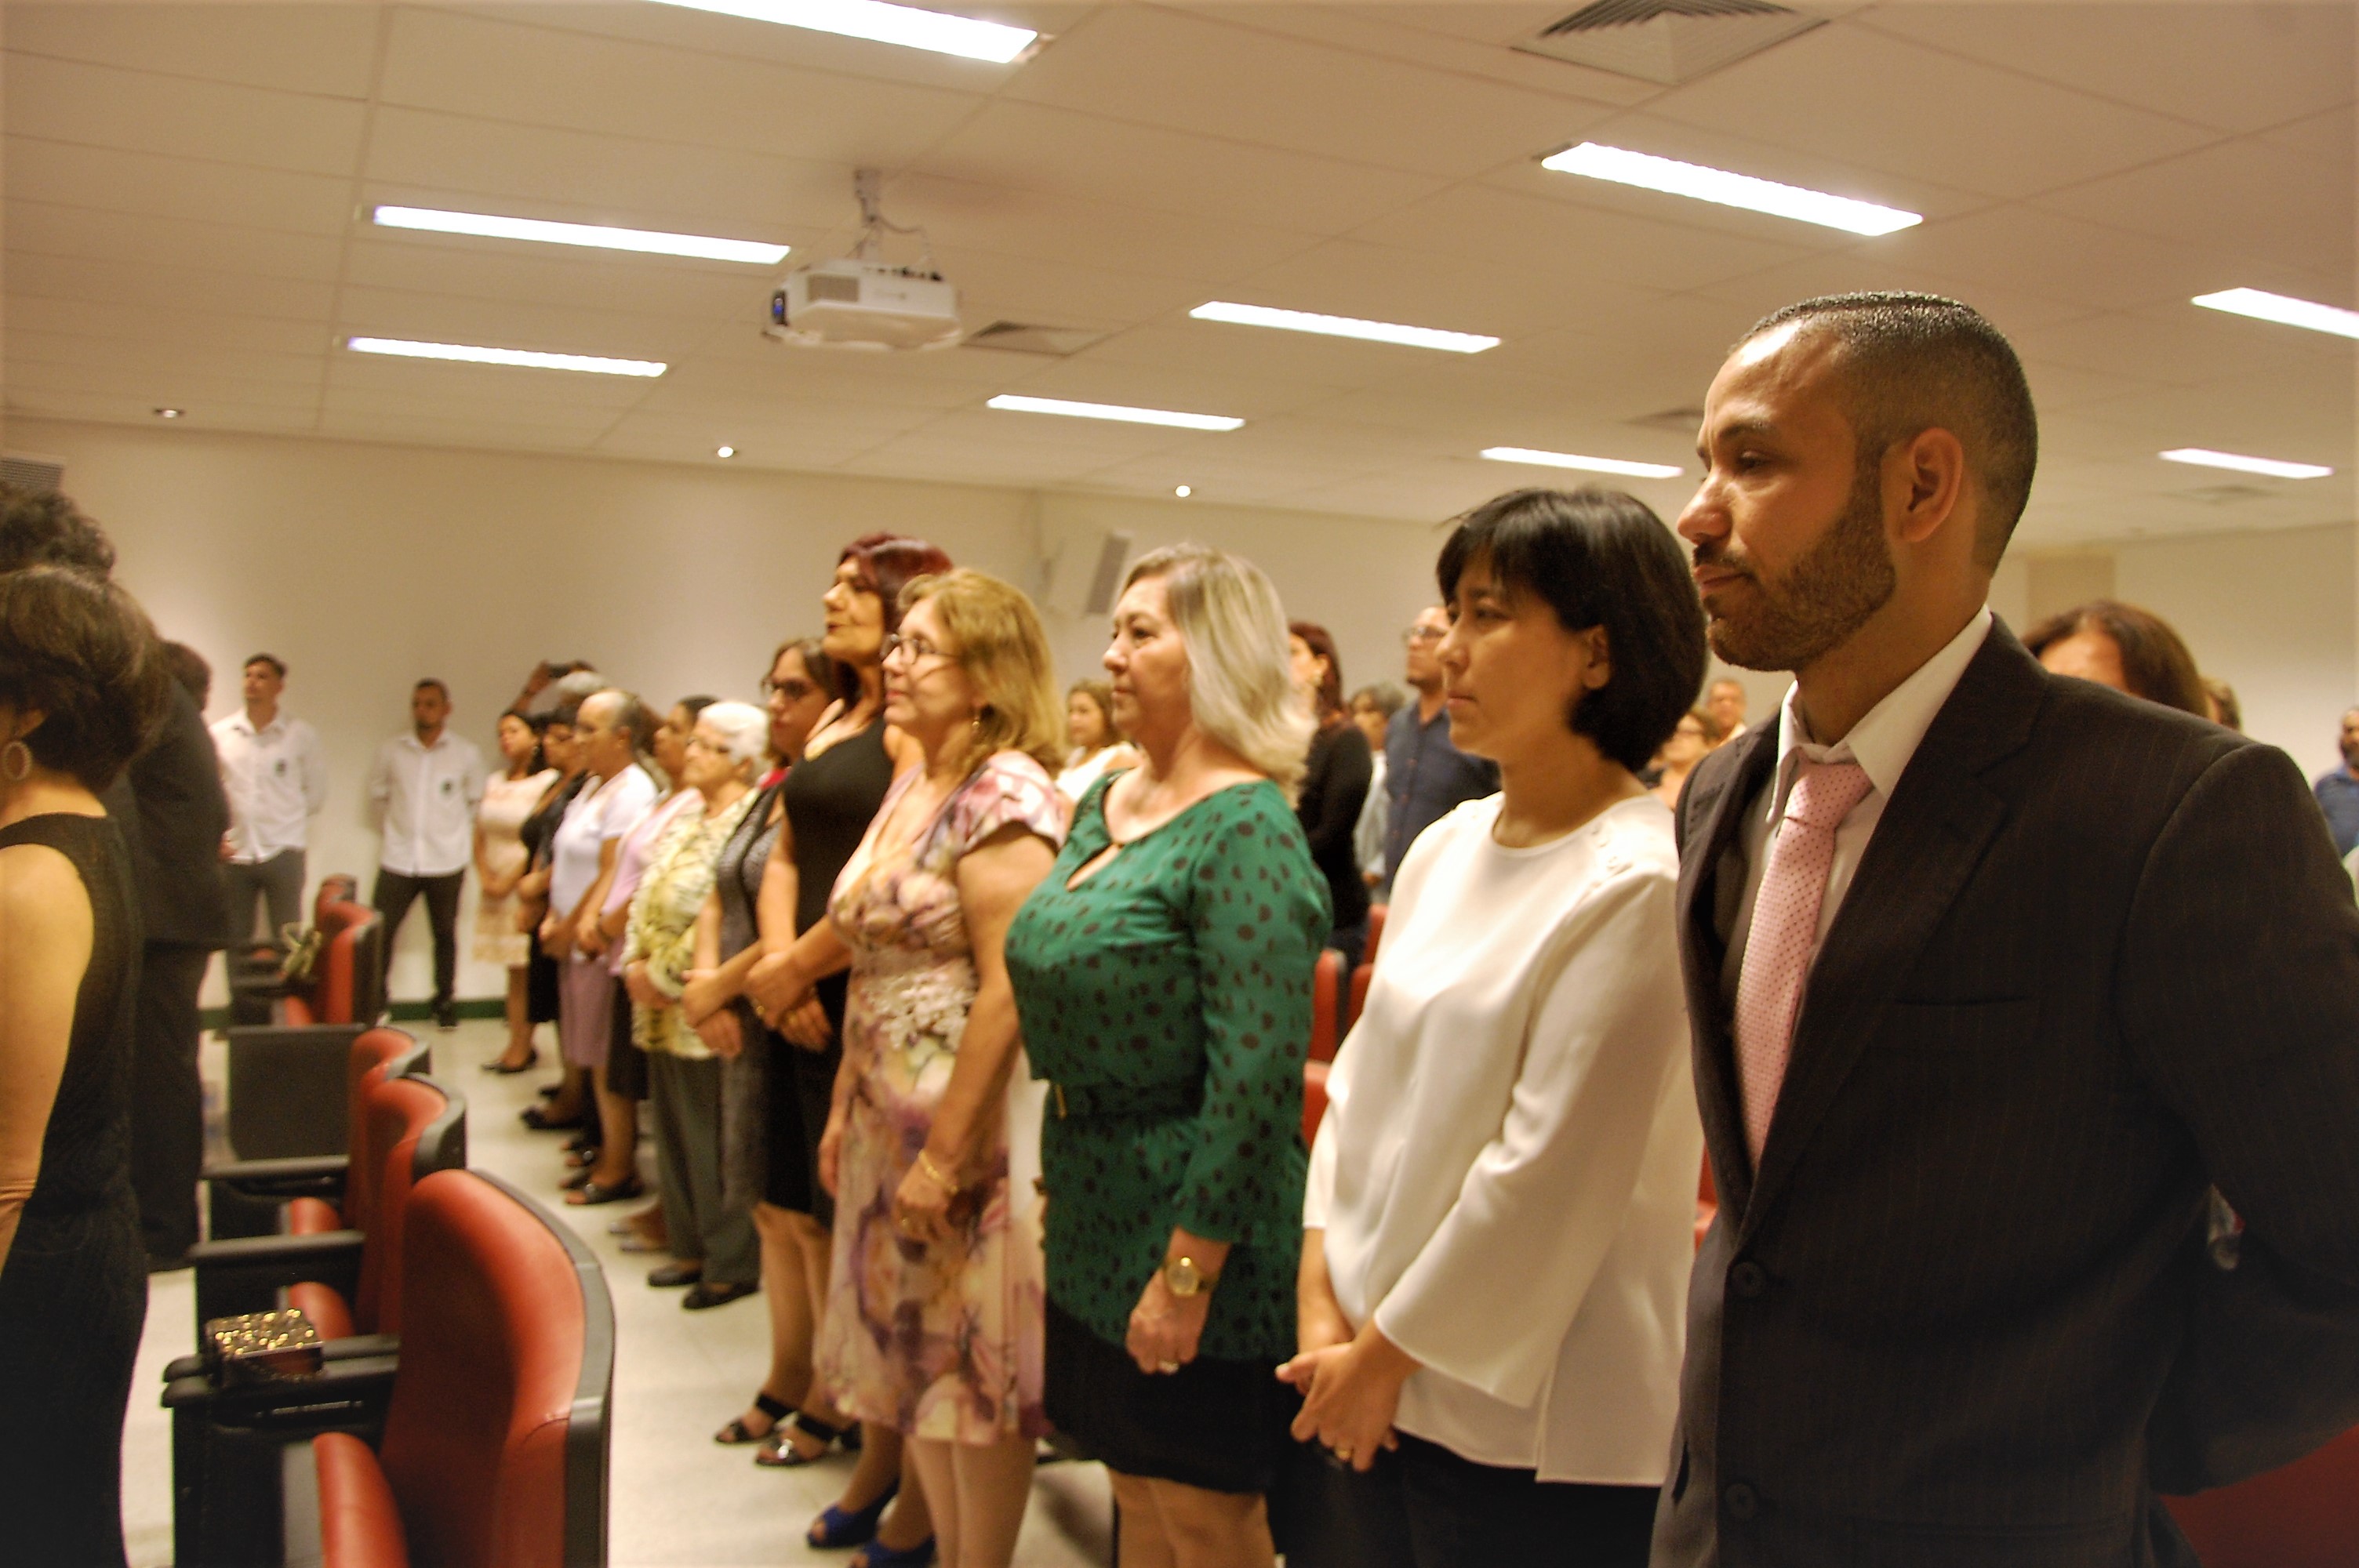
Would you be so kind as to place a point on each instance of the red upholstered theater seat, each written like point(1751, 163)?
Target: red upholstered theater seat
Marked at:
point(2305, 1515)
point(1314, 1098)
point(1326, 1005)
point(495, 1447)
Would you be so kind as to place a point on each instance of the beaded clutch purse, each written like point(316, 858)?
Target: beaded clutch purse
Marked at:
point(261, 1348)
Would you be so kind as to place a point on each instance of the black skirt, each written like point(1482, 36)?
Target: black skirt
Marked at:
point(1216, 1424)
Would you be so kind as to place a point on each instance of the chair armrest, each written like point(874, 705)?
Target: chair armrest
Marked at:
point(348, 1395)
point(297, 1176)
point(245, 1274)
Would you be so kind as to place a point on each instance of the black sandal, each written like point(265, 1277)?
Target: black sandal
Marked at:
point(591, 1191)
point(736, 1433)
point(780, 1453)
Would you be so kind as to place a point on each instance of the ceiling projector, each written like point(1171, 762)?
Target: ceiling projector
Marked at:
point(856, 303)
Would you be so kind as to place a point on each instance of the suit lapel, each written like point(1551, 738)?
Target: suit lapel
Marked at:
point(1713, 820)
point(1932, 835)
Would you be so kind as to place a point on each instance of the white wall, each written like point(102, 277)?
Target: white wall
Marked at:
point(366, 566)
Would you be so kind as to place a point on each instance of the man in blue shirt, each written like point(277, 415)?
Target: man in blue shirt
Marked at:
point(2338, 792)
point(1426, 777)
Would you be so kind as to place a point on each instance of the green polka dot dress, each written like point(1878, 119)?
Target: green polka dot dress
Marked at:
point(1168, 997)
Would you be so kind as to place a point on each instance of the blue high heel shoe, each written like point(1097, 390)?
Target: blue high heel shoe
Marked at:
point(875, 1556)
point(838, 1527)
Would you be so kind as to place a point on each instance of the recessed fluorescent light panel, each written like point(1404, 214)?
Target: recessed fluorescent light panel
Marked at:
point(470, 354)
point(1717, 185)
point(903, 25)
point(597, 235)
point(2265, 307)
point(1343, 327)
point(1573, 460)
point(1116, 411)
point(2269, 466)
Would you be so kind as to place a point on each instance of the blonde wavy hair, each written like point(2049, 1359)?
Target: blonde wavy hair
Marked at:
point(1005, 654)
point(1240, 679)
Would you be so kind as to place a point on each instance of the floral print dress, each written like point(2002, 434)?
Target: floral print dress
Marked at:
point(942, 1341)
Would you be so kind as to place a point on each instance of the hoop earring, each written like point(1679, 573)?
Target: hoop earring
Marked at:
point(15, 762)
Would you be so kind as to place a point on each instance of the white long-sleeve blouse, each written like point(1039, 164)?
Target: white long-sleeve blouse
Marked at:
point(1507, 1173)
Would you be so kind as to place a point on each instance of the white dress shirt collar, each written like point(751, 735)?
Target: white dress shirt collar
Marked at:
point(1887, 735)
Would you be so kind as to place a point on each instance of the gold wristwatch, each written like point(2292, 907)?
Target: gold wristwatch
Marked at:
point(1183, 1279)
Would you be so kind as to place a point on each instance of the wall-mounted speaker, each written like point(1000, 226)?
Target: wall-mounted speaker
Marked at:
point(1106, 581)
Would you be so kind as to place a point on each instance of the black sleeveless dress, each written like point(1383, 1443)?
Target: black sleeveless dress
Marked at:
point(830, 801)
point(73, 1293)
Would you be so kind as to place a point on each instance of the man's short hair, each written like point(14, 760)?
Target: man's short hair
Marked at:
point(1910, 362)
point(40, 529)
point(436, 684)
point(277, 664)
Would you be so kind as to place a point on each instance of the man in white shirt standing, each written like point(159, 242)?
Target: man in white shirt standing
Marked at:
point(276, 780)
point(424, 789)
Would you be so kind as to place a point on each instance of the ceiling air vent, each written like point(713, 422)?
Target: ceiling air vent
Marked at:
point(1023, 338)
point(1668, 41)
point(41, 476)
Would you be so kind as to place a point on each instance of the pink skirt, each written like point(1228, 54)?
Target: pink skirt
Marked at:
point(585, 1010)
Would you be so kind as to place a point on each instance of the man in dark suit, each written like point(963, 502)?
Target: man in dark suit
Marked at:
point(1993, 974)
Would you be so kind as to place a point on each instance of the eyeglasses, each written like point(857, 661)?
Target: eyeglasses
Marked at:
point(911, 648)
point(1416, 634)
point(793, 690)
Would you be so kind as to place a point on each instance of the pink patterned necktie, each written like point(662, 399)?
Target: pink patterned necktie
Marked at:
point(1784, 937)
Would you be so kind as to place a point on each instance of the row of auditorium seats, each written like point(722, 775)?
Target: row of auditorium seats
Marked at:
point(469, 1429)
point(345, 983)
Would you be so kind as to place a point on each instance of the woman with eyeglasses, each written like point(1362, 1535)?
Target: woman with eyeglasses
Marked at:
point(933, 1324)
point(829, 799)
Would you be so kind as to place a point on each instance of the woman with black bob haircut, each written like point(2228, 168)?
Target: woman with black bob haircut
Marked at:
point(1512, 1117)
point(83, 685)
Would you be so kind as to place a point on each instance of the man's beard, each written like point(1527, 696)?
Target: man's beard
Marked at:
point(1826, 595)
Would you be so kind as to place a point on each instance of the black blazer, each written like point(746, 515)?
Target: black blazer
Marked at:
point(171, 809)
point(2098, 956)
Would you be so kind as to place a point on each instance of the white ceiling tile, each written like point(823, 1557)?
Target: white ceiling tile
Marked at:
point(1009, 221)
point(1500, 296)
point(428, 431)
point(1031, 148)
point(1574, 243)
point(206, 329)
point(154, 358)
point(2329, 139)
point(308, 48)
point(1049, 293)
point(155, 291)
point(117, 408)
point(141, 112)
point(587, 177)
point(441, 383)
point(538, 76)
point(2236, 67)
point(1844, 92)
point(555, 276)
point(475, 401)
point(151, 387)
point(1216, 348)
point(169, 243)
point(513, 324)
point(109, 179)
point(1185, 391)
point(2246, 203)
point(1215, 77)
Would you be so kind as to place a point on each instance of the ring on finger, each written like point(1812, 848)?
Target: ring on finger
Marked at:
point(1166, 1365)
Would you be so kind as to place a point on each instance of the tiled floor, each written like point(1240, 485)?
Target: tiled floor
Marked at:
point(677, 1498)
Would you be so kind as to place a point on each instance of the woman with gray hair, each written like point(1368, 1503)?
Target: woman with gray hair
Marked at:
point(1162, 974)
point(713, 1245)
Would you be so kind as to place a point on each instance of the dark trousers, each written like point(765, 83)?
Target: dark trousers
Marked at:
point(168, 1102)
point(1424, 1507)
point(393, 896)
point(276, 883)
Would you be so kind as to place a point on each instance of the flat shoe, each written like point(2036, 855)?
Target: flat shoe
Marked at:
point(539, 1120)
point(705, 1294)
point(634, 1242)
point(669, 1274)
point(532, 1059)
point(591, 1191)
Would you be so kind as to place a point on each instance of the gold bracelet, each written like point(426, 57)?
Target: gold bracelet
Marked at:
point(934, 1172)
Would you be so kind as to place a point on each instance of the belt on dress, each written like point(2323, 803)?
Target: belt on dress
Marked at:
point(1126, 1099)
